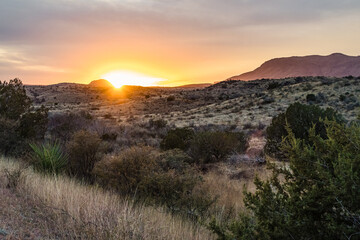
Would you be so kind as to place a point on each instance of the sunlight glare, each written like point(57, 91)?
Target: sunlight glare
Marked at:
point(121, 78)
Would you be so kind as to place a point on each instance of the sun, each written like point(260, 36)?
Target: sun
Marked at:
point(120, 78)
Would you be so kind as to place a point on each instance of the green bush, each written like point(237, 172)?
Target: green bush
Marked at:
point(182, 193)
point(33, 125)
point(273, 85)
point(13, 99)
point(84, 149)
point(311, 97)
point(177, 138)
point(300, 118)
point(158, 123)
point(20, 123)
point(48, 157)
point(315, 197)
point(174, 159)
point(170, 98)
point(211, 147)
point(342, 97)
point(9, 137)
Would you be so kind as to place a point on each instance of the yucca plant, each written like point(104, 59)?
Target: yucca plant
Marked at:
point(49, 157)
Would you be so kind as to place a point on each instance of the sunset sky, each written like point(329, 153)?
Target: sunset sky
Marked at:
point(179, 41)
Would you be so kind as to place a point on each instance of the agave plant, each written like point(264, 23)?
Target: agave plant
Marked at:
point(49, 157)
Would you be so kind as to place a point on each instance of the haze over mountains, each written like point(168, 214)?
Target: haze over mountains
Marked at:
point(334, 65)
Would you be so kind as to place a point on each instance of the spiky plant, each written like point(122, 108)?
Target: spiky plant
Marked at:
point(49, 157)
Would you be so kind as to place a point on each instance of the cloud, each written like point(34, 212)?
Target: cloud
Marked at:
point(56, 21)
point(45, 34)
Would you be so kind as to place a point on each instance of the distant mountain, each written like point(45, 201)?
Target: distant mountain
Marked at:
point(195, 85)
point(101, 83)
point(334, 65)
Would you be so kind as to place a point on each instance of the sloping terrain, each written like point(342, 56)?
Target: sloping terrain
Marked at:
point(334, 65)
point(237, 103)
point(50, 207)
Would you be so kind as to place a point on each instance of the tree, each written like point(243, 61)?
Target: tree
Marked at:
point(315, 196)
point(13, 99)
point(20, 122)
point(300, 118)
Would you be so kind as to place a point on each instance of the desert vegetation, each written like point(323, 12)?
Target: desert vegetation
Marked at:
point(229, 165)
point(312, 197)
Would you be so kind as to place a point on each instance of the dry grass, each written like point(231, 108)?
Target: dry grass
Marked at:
point(229, 192)
point(229, 182)
point(83, 212)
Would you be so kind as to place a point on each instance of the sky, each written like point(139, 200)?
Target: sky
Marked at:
point(177, 41)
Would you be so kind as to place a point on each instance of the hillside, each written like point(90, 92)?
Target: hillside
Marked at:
point(229, 102)
point(101, 83)
point(132, 123)
point(38, 207)
point(334, 65)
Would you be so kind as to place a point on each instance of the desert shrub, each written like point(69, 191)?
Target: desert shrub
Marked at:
point(273, 85)
point(317, 196)
point(307, 87)
point(48, 157)
point(299, 79)
point(20, 121)
point(182, 193)
point(349, 77)
point(300, 118)
point(177, 138)
point(170, 98)
point(63, 125)
point(33, 125)
point(210, 147)
point(223, 96)
point(267, 100)
point(153, 179)
point(310, 97)
point(127, 172)
point(9, 137)
point(13, 176)
point(84, 149)
point(342, 97)
point(174, 159)
point(108, 116)
point(158, 123)
point(248, 126)
point(109, 136)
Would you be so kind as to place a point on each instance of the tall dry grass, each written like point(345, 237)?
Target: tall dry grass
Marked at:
point(86, 212)
point(230, 192)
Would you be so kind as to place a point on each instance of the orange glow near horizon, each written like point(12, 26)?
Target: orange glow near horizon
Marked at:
point(120, 78)
point(73, 41)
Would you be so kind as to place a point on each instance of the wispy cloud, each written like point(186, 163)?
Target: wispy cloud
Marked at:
point(59, 36)
point(18, 62)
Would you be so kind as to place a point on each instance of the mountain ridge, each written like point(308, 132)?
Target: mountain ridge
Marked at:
point(333, 65)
